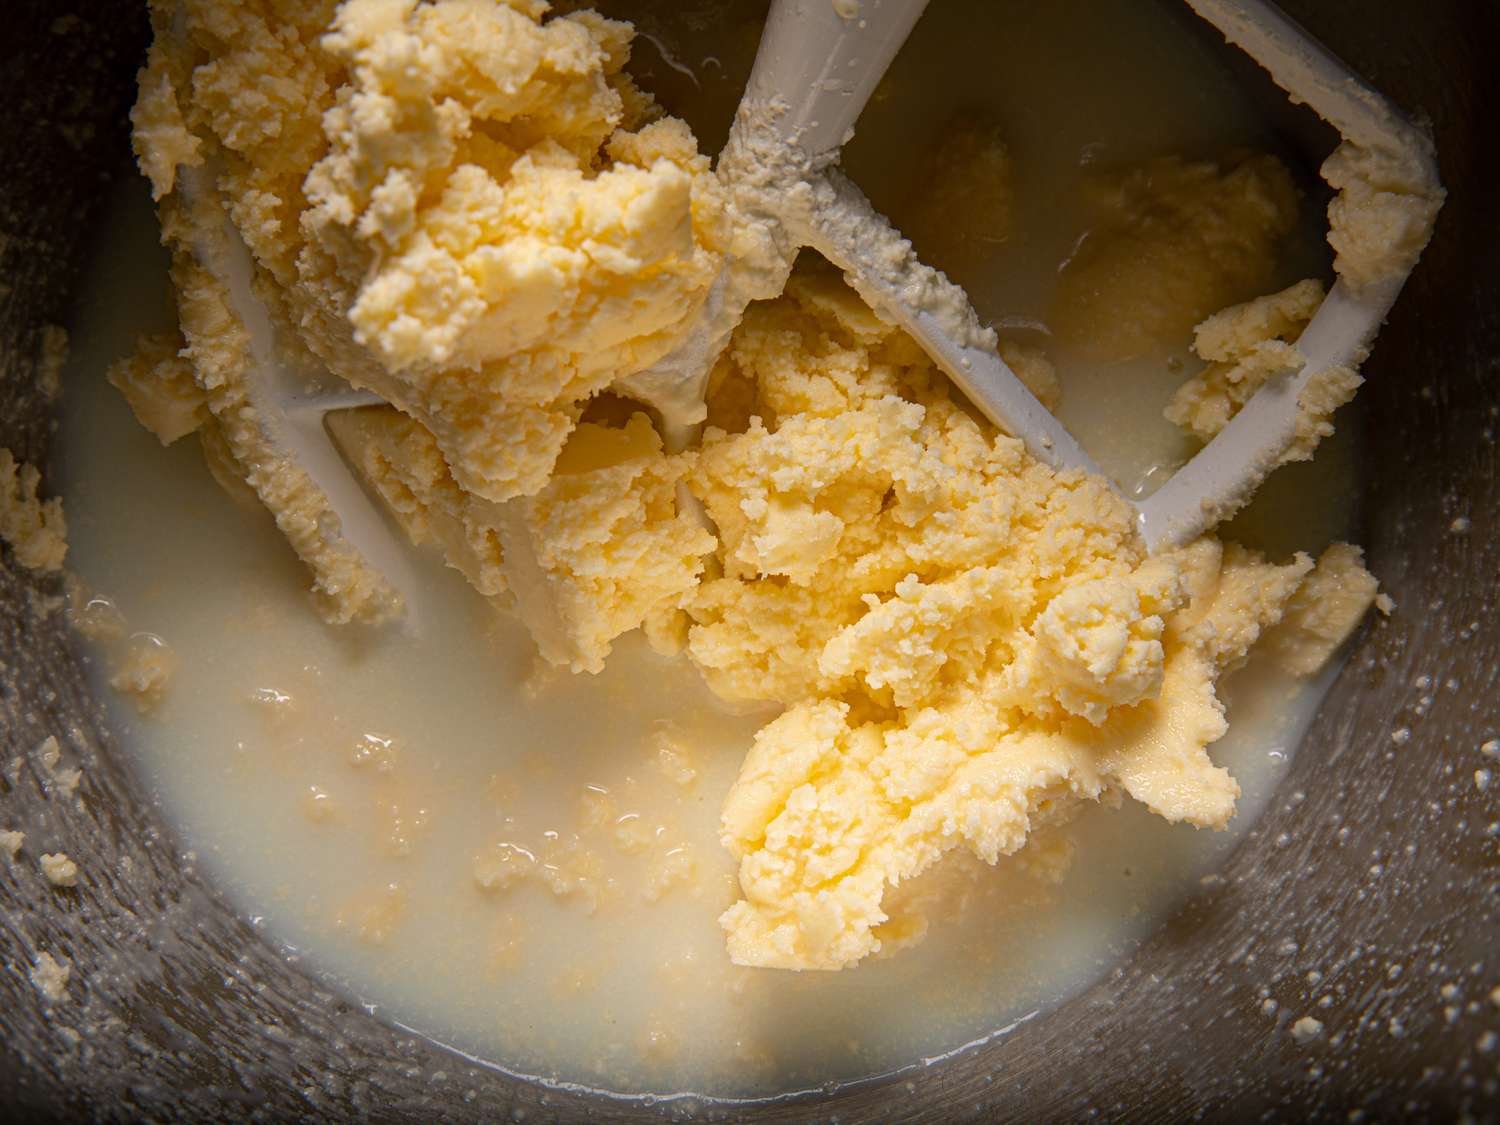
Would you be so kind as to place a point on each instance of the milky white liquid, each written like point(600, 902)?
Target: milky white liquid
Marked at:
point(340, 784)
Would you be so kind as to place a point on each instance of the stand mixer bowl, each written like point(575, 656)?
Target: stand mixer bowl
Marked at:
point(1373, 877)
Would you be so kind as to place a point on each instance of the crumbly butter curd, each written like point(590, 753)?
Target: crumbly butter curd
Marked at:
point(929, 654)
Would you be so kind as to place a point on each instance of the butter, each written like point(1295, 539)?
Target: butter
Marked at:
point(1323, 612)
point(469, 209)
point(599, 551)
point(1173, 241)
point(1382, 217)
point(968, 644)
point(1380, 221)
point(144, 671)
point(603, 547)
point(158, 384)
point(1245, 345)
point(59, 869)
point(1249, 344)
point(962, 207)
point(35, 529)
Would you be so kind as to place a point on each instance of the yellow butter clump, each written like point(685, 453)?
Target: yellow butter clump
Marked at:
point(602, 549)
point(514, 232)
point(35, 529)
point(1247, 345)
point(1323, 612)
point(1382, 217)
point(968, 643)
point(1173, 241)
point(962, 206)
point(158, 384)
point(466, 207)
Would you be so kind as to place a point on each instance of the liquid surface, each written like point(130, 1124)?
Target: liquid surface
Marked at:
point(355, 793)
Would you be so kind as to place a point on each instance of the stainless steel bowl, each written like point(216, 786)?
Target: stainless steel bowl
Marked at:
point(1375, 867)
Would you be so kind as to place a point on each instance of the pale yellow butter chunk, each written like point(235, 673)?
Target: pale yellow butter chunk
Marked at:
point(601, 550)
point(144, 671)
point(782, 500)
point(400, 459)
point(49, 975)
point(1324, 611)
point(59, 869)
point(1172, 241)
point(755, 643)
point(158, 383)
point(489, 273)
point(1097, 645)
point(1248, 345)
point(1382, 217)
point(961, 209)
point(161, 137)
point(827, 815)
point(1236, 595)
point(909, 645)
point(968, 643)
point(1379, 223)
point(1245, 345)
point(1325, 392)
point(466, 207)
point(511, 242)
point(1156, 752)
point(604, 546)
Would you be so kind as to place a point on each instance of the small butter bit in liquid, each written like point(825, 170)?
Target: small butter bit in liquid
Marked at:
point(144, 671)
